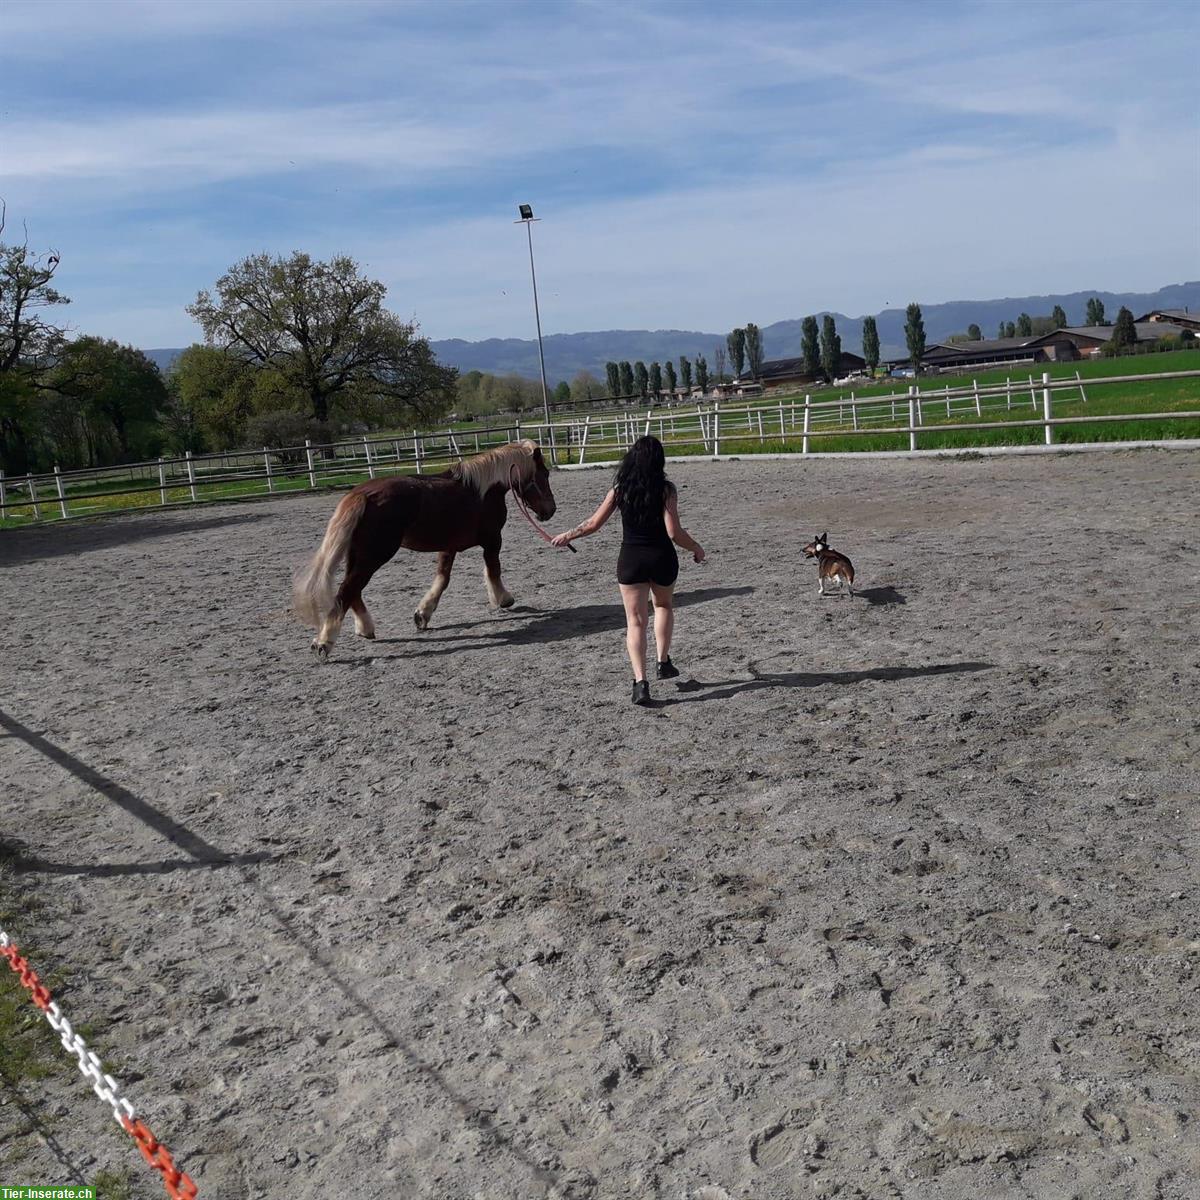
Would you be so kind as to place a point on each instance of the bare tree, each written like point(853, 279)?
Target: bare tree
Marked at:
point(30, 344)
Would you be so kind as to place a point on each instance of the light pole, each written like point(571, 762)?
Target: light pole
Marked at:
point(527, 219)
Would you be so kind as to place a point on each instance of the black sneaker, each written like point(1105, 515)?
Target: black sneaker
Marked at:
point(641, 692)
point(667, 669)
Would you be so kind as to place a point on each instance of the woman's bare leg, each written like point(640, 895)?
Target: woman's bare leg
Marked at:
point(635, 597)
point(664, 619)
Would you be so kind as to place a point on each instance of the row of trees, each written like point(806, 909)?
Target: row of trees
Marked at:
point(1031, 326)
point(293, 347)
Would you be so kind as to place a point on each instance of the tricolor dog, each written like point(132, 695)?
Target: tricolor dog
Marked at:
point(830, 564)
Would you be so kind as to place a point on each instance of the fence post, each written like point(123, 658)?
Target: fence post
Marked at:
point(1046, 408)
point(853, 411)
point(1008, 392)
point(947, 400)
point(312, 469)
point(978, 407)
point(417, 451)
point(191, 470)
point(1032, 395)
point(912, 418)
point(453, 442)
point(782, 427)
point(62, 499)
point(33, 499)
point(807, 421)
point(760, 428)
point(477, 443)
point(367, 454)
point(716, 428)
point(162, 482)
point(267, 465)
point(587, 424)
point(1082, 393)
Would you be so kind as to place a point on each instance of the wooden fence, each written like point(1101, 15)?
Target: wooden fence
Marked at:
point(695, 429)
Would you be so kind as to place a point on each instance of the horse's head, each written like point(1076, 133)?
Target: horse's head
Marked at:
point(534, 487)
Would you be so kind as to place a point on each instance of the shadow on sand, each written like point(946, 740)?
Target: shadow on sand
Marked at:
point(308, 943)
point(535, 627)
point(724, 688)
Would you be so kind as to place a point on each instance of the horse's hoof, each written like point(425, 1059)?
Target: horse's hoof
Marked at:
point(420, 620)
point(322, 650)
point(368, 634)
point(508, 601)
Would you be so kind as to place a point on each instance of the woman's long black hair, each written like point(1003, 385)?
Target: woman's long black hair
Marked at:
point(641, 484)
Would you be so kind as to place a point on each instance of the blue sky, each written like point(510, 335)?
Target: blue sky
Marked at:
point(696, 165)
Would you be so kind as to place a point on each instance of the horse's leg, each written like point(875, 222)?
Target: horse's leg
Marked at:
point(359, 569)
point(364, 623)
point(498, 595)
point(429, 602)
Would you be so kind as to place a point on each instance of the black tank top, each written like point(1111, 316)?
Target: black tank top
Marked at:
point(651, 532)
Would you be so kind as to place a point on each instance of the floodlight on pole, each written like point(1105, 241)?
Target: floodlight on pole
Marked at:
point(527, 219)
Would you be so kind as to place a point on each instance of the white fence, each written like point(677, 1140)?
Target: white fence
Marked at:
point(705, 429)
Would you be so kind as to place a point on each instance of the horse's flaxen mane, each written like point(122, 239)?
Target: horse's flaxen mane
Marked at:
point(484, 471)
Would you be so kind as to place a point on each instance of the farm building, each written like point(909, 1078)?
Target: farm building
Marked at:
point(1084, 341)
point(786, 373)
point(1173, 316)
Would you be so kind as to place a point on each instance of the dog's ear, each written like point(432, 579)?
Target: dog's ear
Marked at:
point(824, 537)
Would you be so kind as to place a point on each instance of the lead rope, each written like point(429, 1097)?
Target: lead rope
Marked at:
point(524, 511)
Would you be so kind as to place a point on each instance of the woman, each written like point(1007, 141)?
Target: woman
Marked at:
point(647, 564)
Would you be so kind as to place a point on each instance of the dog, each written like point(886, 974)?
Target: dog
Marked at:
point(830, 564)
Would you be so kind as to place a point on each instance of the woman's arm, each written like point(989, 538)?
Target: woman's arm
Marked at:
point(595, 521)
point(676, 531)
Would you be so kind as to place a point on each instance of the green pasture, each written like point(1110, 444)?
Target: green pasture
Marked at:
point(110, 493)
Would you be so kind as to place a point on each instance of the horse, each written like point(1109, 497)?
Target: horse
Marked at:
point(443, 514)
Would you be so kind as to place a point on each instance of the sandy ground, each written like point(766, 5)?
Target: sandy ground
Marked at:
point(891, 897)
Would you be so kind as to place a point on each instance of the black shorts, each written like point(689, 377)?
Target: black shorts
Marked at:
point(648, 564)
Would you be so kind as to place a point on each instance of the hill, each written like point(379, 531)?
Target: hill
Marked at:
point(569, 353)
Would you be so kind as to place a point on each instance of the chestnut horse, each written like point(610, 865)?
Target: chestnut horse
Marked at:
point(445, 514)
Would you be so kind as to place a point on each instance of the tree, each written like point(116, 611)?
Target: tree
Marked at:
point(831, 348)
point(1059, 317)
point(323, 328)
point(1125, 331)
point(117, 394)
point(870, 344)
point(585, 386)
point(810, 346)
point(1010, 330)
point(613, 374)
point(641, 378)
point(914, 335)
point(655, 379)
point(562, 393)
point(626, 379)
point(1095, 311)
point(754, 349)
point(685, 373)
point(974, 333)
point(701, 373)
point(29, 344)
point(735, 342)
point(212, 397)
point(1000, 332)
point(719, 360)
point(669, 373)
point(1024, 325)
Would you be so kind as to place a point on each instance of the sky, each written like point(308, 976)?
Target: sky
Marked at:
point(694, 165)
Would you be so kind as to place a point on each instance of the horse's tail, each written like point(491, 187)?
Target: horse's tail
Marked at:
point(313, 593)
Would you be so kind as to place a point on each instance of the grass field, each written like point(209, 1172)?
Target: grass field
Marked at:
point(828, 434)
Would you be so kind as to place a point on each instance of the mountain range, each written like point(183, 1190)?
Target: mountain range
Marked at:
point(569, 353)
